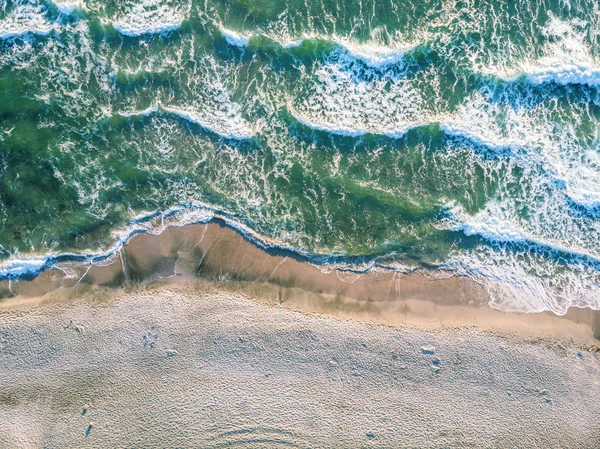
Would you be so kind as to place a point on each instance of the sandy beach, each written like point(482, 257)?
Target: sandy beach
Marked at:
point(190, 366)
point(198, 338)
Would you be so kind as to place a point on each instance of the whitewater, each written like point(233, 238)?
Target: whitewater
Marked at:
point(451, 140)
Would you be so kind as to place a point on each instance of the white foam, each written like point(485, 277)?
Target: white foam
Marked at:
point(157, 221)
point(230, 126)
point(22, 266)
point(345, 107)
point(558, 71)
point(493, 125)
point(543, 275)
point(463, 130)
point(234, 38)
point(154, 223)
point(25, 19)
point(350, 131)
point(583, 195)
point(583, 181)
point(67, 7)
point(342, 101)
point(566, 60)
point(475, 135)
point(145, 112)
point(373, 55)
point(529, 283)
point(134, 29)
point(493, 229)
point(150, 223)
point(293, 44)
point(493, 224)
point(150, 17)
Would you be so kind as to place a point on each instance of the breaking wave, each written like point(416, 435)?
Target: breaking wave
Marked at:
point(25, 19)
point(224, 125)
point(150, 17)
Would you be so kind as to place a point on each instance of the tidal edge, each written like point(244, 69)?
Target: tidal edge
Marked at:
point(215, 254)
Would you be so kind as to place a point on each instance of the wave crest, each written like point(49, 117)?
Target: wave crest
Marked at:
point(234, 38)
point(25, 19)
point(150, 17)
point(229, 126)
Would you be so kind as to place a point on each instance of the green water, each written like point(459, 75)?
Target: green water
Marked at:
point(455, 137)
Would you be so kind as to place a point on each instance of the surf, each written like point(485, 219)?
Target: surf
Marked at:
point(214, 122)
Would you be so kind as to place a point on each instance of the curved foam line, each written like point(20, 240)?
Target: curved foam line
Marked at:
point(15, 268)
point(564, 74)
point(547, 71)
point(587, 198)
point(449, 128)
point(145, 112)
point(25, 20)
point(349, 131)
point(234, 38)
point(503, 232)
point(560, 72)
point(132, 30)
point(235, 132)
point(373, 55)
point(24, 31)
point(18, 267)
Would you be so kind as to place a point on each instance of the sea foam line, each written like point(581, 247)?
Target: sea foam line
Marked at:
point(349, 131)
point(199, 213)
point(150, 17)
point(17, 267)
point(373, 55)
point(450, 128)
point(559, 72)
point(25, 19)
point(234, 38)
point(135, 30)
point(182, 215)
point(234, 130)
point(501, 231)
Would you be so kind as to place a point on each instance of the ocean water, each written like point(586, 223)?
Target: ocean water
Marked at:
point(451, 137)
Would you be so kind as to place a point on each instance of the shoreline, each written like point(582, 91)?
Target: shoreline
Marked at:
point(216, 253)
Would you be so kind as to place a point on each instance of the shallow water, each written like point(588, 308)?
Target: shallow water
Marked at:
point(452, 137)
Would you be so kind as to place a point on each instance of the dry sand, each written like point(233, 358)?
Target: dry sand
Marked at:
point(193, 338)
point(192, 367)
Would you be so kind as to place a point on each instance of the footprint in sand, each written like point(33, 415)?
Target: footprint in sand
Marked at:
point(429, 350)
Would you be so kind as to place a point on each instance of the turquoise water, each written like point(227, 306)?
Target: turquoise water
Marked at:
point(452, 137)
